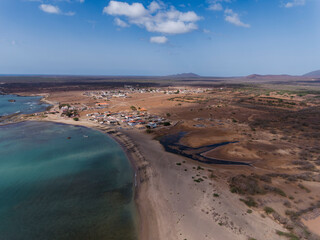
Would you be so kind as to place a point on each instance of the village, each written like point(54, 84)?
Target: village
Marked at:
point(138, 118)
point(127, 90)
point(99, 109)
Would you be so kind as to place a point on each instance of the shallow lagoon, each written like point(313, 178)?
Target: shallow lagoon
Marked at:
point(52, 187)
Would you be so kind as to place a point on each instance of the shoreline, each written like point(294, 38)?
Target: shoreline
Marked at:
point(162, 215)
point(139, 166)
point(135, 158)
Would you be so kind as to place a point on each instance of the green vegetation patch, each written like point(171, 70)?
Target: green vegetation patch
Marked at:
point(290, 236)
point(199, 180)
point(250, 202)
point(190, 99)
point(268, 210)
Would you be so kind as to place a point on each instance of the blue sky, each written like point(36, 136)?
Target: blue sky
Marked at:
point(140, 37)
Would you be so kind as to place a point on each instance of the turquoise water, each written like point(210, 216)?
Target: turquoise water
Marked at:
point(52, 187)
point(22, 105)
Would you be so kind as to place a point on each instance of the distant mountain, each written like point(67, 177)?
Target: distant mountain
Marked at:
point(254, 76)
point(257, 76)
point(313, 74)
point(185, 75)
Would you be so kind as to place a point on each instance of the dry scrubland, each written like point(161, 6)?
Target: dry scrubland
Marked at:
point(276, 129)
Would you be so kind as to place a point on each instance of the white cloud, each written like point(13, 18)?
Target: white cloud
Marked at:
point(155, 18)
point(234, 18)
point(69, 13)
point(134, 10)
point(120, 23)
point(295, 3)
point(159, 40)
point(215, 7)
point(154, 6)
point(50, 9)
point(81, 1)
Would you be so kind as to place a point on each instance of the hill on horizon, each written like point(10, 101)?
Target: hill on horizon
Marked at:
point(312, 74)
point(185, 75)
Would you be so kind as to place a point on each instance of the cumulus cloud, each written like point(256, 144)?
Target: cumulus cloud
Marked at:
point(154, 18)
point(51, 9)
point(135, 10)
point(159, 39)
point(295, 3)
point(216, 5)
point(120, 23)
point(234, 18)
point(229, 15)
point(154, 6)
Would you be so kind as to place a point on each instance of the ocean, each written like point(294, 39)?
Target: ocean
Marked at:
point(64, 182)
point(21, 105)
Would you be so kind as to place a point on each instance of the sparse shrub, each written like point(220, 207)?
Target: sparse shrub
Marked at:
point(249, 202)
point(166, 124)
point(287, 204)
point(268, 210)
point(200, 168)
point(293, 215)
point(242, 184)
point(290, 236)
point(280, 192)
point(199, 180)
point(212, 176)
point(304, 188)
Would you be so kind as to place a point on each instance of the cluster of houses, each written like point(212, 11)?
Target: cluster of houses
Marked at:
point(107, 95)
point(128, 89)
point(137, 119)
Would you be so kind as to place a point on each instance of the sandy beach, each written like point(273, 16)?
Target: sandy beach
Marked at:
point(171, 205)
